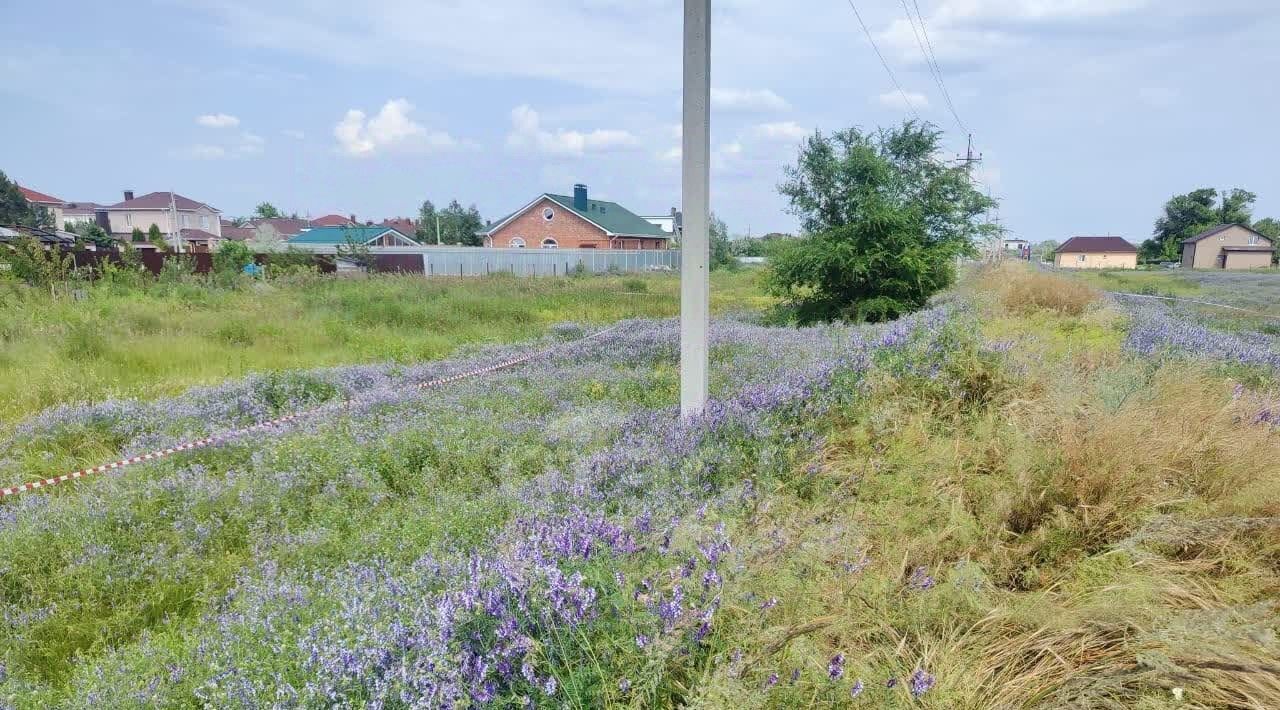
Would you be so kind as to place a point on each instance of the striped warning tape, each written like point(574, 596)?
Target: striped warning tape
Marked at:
point(225, 436)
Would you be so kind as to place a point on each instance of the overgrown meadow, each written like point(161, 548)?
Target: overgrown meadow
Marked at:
point(1005, 500)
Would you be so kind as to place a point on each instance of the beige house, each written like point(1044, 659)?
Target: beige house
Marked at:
point(199, 223)
point(1096, 253)
point(1228, 246)
point(50, 203)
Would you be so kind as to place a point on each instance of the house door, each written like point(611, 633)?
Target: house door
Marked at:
point(1222, 260)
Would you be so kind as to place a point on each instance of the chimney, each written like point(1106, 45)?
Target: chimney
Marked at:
point(580, 197)
point(352, 219)
point(128, 195)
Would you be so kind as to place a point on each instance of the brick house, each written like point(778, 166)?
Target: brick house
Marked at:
point(1228, 246)
point(577, 222)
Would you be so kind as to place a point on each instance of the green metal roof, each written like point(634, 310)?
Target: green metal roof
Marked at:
point(339, 235)
point(615, 218)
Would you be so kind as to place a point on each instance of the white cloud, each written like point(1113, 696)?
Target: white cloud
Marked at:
point(217, 120)
point(747, 100)
point(294, 133)
point(781, 131)
point(390, 130)
point(528, 134)
point(903, 100)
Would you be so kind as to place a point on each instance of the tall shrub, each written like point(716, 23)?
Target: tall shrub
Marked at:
point(884, 222)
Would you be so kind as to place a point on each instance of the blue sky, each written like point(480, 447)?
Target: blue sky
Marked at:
point(1090, 112)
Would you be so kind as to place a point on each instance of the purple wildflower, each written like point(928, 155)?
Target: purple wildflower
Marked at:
point(920, 579)
point(641, 641)
point(769, 604)
point(856, 690)
point(920, 682)
point(624, 685)
point(795, 676)
point(835, 669)
point(771, 681)
point(891, 683)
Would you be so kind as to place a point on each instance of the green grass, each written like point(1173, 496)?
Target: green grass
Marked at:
point(1153, 283)
point(126, 342)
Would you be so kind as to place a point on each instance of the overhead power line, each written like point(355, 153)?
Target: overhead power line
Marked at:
point(910, 106)
point(931, 59)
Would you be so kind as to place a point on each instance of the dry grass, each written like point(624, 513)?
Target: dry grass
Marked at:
point(1023, 291)
point(1101, 537)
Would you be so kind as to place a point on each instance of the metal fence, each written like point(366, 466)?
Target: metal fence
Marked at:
point(475, 261)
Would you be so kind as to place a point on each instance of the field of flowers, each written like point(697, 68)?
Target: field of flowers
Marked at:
point(976, 506)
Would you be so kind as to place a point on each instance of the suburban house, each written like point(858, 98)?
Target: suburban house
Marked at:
point(577, 222)
point(1018, 245)
point(77, 213)
point(403, 225)
point(50, 203)
point(325, 238)
point(1228, 246)
point(277, 229)
point(199, 224)
point(1096, 253)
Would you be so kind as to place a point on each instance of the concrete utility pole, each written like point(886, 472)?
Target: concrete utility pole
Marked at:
point(437, 229)
point(695, 293)
point(173, 222)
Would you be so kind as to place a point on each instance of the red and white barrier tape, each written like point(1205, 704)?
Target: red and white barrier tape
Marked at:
point(211, 440)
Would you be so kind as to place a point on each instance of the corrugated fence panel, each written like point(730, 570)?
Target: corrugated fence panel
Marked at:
point(443, 261)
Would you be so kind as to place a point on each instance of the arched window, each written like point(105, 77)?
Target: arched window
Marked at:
point(517, 243)
point(550, 243)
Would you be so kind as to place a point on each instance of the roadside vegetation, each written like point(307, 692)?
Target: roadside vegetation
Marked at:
point(1025, 495)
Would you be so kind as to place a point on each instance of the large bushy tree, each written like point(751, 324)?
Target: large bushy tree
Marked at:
point(14, 208)
point(426, 232)
point(884, 221)
point(721, 249)
point(1187, 215)
point(458, 224)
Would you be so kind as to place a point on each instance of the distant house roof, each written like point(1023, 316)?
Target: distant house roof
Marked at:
point(1222, 228)
point(1095, 245)
point(403, 225)
point(160, 201)
point(197, 235)
point(39, 197)
point(331, 220)
point(81, 208)
point(611, 217)
point(333, 236)
point(238, 234)
point(14, 232)
point(285, 226)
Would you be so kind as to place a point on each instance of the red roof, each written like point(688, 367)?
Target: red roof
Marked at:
point(1094, 245)
point(403, 225)
point(33, 196)
point(331, 220)
point(159, 201)
point(197, 235)
point(238, 234)
point(285, 226)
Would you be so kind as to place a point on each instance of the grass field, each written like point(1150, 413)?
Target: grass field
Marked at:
point(127, 342)
point(1026, 496)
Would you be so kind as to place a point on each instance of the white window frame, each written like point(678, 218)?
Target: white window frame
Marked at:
point(550, 243)
point(186, 220)
point(204, 222)
point(1081, 258)
point(128, 219)
point(516, 243)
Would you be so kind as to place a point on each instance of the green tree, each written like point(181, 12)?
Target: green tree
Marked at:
point(93, 234)
point(14, 208)
point(1187, 215)
point(458, 225)
point(721, 248)
point(884, 222)
point(426, 232)
point(1044, 250)
point(1269, 227)
point(157, 239)
point(137, 237)
point(266, 210)
point(231, 258)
